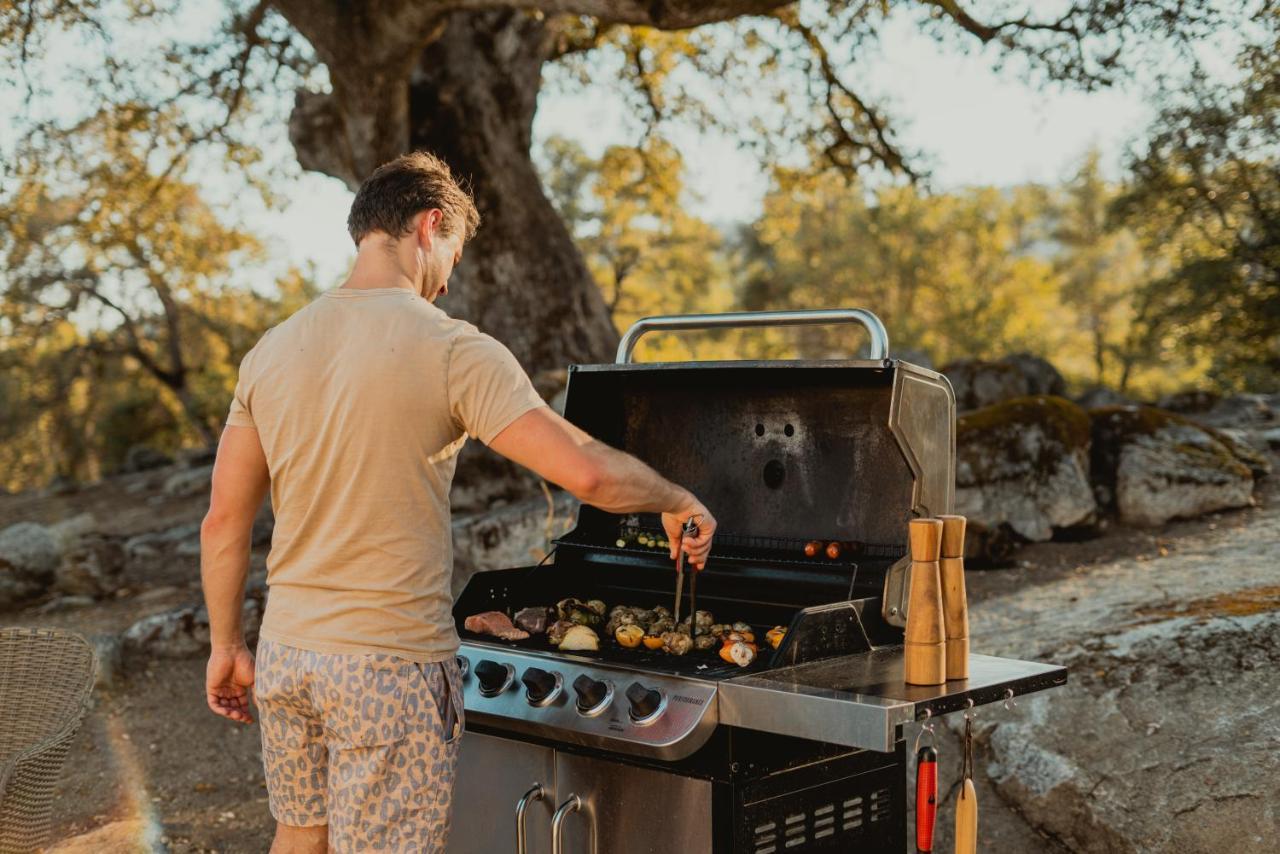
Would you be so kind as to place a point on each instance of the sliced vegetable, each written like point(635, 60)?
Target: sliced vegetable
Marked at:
point(775, 635)
point(629, 636)
point(580, 638)
point(652, 642)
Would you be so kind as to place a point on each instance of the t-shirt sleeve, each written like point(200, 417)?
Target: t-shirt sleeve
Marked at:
point(239, 415)
point(487, 387)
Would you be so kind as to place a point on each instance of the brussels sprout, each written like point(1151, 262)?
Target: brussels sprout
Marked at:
point(676, 643)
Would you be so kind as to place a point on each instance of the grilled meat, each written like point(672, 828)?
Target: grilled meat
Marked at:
point(496, 624)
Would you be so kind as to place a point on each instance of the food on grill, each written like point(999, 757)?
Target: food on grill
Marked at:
point(705, 622)
point(702, 643)
point(676, 643)
point(812, 548)
point(741, 626)
point(739, 653)
point(532, 620)
point(653, 642)
point(833, 550)
point(579, 612)
point(579, 637)
point(494, 623)
point(775, 635)
point(629, 635)
point(735, 637)
point(556, 631)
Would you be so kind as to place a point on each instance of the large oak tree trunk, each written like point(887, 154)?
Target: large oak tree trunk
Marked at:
point(473, 96)
point(470, 94)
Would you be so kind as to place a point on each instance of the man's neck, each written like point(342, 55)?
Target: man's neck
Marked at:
point(375, 268)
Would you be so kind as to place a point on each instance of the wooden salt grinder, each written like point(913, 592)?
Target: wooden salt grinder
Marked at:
point(925, 648)
point(955, 606)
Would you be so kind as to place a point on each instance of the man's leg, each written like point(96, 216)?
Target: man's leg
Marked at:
point(294, 757)
point(300, 840)
point(393, 738)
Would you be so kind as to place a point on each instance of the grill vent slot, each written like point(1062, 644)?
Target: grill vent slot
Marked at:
point(880, 805)
point(857, 812)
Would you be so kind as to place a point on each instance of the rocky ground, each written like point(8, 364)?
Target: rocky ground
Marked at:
point(1166, 737)
point(1164, 740)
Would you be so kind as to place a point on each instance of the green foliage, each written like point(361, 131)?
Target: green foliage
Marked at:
point(648, 256)
point(1208, 184)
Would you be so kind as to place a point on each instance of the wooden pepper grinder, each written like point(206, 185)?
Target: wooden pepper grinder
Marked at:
point(955, 606)
point(925, 649)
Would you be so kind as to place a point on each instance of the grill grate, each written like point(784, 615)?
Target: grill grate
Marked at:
point(776, 550)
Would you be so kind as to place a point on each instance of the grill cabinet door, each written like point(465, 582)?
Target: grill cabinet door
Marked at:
point(493, 774)
point(629, 810)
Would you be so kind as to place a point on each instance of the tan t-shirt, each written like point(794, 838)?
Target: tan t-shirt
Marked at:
point(362, 401)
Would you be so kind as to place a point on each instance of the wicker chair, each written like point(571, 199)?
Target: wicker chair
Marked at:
point(46, 679)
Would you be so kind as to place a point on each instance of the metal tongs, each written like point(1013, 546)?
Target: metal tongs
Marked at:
point(690, 529)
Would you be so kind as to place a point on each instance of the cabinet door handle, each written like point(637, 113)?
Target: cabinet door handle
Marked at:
point(535, 793)
point(572, 803)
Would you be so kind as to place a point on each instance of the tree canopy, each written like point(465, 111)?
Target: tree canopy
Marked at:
point(124, 308)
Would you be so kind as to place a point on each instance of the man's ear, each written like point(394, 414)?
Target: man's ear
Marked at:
point(429, 225)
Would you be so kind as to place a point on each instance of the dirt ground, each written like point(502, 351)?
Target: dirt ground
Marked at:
point(153, 770)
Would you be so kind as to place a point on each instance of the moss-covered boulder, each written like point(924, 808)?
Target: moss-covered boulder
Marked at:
point(1022, 467)
point(1150, 466)
point(979, 383)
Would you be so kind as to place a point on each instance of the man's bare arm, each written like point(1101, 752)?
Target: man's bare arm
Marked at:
point(240, 481)
point(602, 476)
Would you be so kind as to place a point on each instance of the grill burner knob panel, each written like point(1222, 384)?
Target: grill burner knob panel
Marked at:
point(646, 703)
point(593, 694)
point(494, 677)
point(541, 687)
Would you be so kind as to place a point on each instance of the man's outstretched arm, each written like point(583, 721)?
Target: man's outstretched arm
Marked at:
point(593, 472)
point(240, 481)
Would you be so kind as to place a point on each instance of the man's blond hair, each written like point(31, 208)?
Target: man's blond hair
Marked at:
point(400, 189)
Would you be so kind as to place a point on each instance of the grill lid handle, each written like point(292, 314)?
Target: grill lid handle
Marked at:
point(743, 319)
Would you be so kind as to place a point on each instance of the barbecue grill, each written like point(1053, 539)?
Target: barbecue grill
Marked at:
point(629, 750)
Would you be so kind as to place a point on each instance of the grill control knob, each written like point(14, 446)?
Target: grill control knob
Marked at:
point(591, 692)
point(494, 677)
point(645, 702)
point(464, 665)
point(540, 685)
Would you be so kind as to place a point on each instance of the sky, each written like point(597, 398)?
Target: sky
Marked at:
point(975, 126)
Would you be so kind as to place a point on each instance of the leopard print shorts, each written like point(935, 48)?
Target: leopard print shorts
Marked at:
point(365, 743)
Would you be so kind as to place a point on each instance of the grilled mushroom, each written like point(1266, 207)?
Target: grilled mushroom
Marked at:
point(703, 643)
point(676, 643)
point(556, 631)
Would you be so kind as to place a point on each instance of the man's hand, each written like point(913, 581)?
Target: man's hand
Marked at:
point(228, 680)
point(698, 546)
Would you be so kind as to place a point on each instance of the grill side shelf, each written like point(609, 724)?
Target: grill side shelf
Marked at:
point(861, 700)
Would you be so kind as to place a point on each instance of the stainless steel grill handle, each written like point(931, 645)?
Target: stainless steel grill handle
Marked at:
point(571, 804)
point(535, 793)
point(743, 319)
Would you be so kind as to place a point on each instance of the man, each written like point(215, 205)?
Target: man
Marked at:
point(352, 412)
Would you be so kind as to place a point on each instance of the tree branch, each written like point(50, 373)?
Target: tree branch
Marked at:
point(882, 147)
